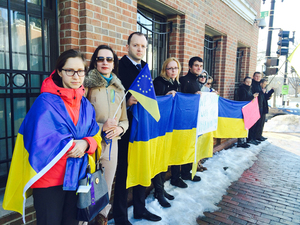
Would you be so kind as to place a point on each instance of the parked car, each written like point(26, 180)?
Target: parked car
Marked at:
point(274, 111)
point(293, 111)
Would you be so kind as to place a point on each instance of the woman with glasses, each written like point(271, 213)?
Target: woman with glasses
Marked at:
point(209, 83)
point(166, 84)
point(57, 132)
point(105, 91)
point(203, 79)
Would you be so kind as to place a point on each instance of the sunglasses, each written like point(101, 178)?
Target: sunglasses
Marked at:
point(201, 76)
point(208, 83)
point(101, 59)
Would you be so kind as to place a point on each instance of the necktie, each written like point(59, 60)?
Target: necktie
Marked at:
point(139, 67)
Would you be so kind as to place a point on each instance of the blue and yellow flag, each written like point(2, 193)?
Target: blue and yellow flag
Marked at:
point(142, 89)
point(45, 135)
point(156, 145)
point(230, 119)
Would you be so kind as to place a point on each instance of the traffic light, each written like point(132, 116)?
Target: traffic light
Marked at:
point(283, 43)
point(271, 66)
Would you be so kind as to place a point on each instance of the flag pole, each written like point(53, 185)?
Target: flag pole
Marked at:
point(120, 104)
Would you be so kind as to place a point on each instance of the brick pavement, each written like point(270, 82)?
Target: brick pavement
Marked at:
point(266, 193)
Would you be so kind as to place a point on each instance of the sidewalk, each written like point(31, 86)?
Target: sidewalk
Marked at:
point(268, 192)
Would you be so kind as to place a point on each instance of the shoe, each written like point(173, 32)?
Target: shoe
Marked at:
point(195, 179)
point(148, 216)
point(243, 145)
point(168, 196)
point(179, 183)
point(254, 142)
point(261, 138)
point(161, 199)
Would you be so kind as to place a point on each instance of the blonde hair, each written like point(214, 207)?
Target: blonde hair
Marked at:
point(163, 72)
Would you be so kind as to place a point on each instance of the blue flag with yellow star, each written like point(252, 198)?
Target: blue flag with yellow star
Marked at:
point(142, 89)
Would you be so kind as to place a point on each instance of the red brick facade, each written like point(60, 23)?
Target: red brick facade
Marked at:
point(85, 24)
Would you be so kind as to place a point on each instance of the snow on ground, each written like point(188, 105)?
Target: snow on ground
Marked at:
point(203, 196)
point(284, 123)
point(199, 197)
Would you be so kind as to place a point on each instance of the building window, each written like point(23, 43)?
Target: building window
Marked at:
point(208, 60)
point(27, 54)
point(238, 67)
point(155, 28)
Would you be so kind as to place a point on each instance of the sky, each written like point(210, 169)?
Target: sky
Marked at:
point(199, 197)
point(286, 16)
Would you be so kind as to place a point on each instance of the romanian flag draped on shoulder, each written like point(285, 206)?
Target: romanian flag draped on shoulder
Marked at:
point(173, 140)
point(142, 89)
point(45, 135)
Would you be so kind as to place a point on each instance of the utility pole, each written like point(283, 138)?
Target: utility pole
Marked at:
point(268, 51)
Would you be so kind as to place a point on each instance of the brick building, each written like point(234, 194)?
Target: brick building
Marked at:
point(34, 32)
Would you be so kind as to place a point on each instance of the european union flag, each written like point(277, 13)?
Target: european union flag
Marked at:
point(142, 89)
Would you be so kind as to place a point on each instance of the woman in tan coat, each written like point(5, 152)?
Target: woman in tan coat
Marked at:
point(105, 91)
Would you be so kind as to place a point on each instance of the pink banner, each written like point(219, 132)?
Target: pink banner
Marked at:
point(251, 113)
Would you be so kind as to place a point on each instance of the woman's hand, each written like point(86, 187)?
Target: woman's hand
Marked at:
point(109, 124)
point(255, 95)
point(114, 132)
point(171, 93)
point(79, 149)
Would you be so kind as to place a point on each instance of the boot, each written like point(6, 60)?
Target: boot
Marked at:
point(168, 196)
point(158, 182)
point(161, 199)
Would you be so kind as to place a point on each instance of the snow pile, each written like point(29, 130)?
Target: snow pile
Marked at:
point(284, 123)
point(199, 197)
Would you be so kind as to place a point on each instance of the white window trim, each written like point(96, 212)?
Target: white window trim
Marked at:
point(242, 8)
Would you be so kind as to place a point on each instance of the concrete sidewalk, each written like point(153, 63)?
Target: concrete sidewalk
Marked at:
point(269, 191)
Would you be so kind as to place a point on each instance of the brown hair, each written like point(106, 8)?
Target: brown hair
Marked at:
point(61, 61)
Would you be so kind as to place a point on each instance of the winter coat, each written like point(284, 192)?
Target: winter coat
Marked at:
point(106, 99)
point(72, 100)
point(163, 86)
point(256, 88)
point(189, 83)
point(244, 93)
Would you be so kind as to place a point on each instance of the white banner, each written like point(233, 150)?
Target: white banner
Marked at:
point(207, 113)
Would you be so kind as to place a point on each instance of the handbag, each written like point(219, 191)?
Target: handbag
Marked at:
point(89, 204)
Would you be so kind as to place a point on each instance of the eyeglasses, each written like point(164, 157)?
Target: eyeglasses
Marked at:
point(101, 59)
point(171, 68)
point(201, 76)
point(71, 73)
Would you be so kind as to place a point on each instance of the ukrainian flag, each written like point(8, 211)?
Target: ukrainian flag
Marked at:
point(142, 89)
point(155, 145)
point(45, 135)
point(230, 119)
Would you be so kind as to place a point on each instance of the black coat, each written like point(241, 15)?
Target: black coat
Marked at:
point(256, 88)
point(163, 86)
point(128, 72)
point(189, 83)
point(244, 93)
point(267, 96)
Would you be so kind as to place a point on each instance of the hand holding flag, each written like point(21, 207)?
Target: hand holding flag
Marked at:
point(142, 89)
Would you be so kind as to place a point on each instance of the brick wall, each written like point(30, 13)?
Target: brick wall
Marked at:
point(85, 24)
